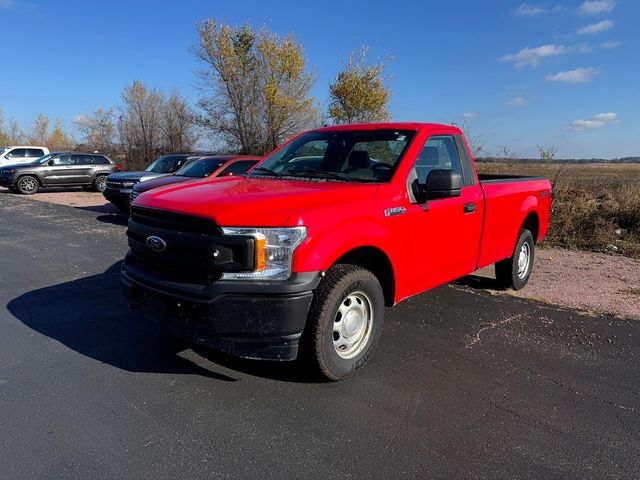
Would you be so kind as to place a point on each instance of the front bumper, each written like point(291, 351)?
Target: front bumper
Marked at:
point(260, 320)
point(118, 195)
point(8, 180)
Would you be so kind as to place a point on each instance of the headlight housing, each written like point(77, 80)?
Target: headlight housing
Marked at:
point(8, 171)
point(274, 252)
point(128, 184)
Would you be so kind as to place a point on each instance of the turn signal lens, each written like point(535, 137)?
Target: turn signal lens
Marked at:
point(261, 252)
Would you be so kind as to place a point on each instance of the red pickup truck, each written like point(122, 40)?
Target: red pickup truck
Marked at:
point(300, 257)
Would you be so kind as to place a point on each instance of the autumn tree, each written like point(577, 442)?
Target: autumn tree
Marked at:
point(177, 126)
point(140, 123)
point(255, 86)
point(11, 134)
point(98, 130)
point(55, 138)
point(151, 125)
point(359, 93)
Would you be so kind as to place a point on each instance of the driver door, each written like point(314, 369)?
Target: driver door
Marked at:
point(444, 234)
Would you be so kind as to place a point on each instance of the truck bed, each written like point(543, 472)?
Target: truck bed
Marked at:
point(498, 178)
point(506, 198)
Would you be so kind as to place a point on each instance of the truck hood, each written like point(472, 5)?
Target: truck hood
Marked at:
point(134, 176)
point(253, 202)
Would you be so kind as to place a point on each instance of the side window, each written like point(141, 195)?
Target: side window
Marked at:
point(439, 153)
point(63, 160)
point(18, 153)
point(35, 152)
point(82, 160)
point(100, 160)
point(237, 168)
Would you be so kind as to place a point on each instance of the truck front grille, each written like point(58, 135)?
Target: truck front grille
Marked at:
point(196, 251)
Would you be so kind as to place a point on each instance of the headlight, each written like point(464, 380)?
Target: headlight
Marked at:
point(274, 252)
point(128, 184)
point(9, 171)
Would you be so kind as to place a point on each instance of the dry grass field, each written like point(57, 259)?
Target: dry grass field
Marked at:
point(590, 202)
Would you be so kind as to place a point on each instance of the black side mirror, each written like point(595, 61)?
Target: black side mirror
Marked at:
point(441, 184)
point(50, 162)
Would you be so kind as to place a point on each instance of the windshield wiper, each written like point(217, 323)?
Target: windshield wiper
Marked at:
point(322, 173)
point(266, 170)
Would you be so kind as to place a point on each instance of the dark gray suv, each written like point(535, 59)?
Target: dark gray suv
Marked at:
point(59, 169)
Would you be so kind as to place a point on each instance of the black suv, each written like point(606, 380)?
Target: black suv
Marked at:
point(120, 185)
point(59, 169)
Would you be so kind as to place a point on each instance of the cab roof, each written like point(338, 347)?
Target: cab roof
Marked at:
point(389, 125)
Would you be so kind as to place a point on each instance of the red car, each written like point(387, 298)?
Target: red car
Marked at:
point(299, 258)
point(206, 167)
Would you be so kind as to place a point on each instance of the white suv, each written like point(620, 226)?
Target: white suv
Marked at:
point(21, 154)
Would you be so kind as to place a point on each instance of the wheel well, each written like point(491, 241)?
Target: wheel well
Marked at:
point(377, 262)
point(33, 175)
point(532, 223)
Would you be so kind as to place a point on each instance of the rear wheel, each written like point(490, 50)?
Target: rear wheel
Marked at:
point(28, 185)
point(344, 323)
point(514, 272)
point(100, 183)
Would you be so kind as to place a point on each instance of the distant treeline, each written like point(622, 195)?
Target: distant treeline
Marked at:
point(560, 160)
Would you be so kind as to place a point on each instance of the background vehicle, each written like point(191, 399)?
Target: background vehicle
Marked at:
point(120, 186)
point(214, 166)
point(300, 258)
point(21, 154)
point(59, 169)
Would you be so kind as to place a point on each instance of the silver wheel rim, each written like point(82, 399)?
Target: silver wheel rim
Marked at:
point(101, 183)
point(352, 324)
point(524, 260)
point(28, 184)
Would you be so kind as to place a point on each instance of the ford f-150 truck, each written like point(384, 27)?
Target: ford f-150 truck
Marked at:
point(299, 258)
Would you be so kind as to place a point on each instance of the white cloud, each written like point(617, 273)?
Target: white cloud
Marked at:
point(517, 102)
point(470, 115)
point(579, 75)
point(597, 121)
point(529, 10)
point(592, 7)
point(610, 44)
point(532, 57)
point(596, 27)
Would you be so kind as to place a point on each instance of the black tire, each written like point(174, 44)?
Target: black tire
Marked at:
point(100, 183)
point(28, 185)
point(510, 273)
point(356, 290)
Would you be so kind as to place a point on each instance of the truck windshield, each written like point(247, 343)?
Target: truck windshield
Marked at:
point(167, 164)
point(200, 168)
point(347, 155)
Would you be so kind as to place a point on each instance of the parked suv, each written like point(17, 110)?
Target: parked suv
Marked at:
point(207, 167)
point(21, 154)
point(120, 186)
point(59, 169)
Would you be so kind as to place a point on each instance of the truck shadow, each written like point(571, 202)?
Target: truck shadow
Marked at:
point(91, 316)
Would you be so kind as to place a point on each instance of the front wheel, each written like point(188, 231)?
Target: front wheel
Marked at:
point(28, 185)
point(514, 272)
point(100, 183)
point(344, 323)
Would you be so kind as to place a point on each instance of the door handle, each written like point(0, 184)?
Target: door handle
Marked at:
point(470, 207)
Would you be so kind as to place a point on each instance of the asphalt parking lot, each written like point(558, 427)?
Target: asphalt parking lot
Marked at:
point(464, 384)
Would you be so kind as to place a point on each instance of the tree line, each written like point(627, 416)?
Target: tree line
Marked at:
point(254, 91)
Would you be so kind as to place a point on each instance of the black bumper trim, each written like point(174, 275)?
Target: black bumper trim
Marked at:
point(239, 318)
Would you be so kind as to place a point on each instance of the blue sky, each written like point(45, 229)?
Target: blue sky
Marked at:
point(522, 74)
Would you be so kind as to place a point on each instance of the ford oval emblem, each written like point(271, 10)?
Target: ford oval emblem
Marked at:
point(156, 244)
